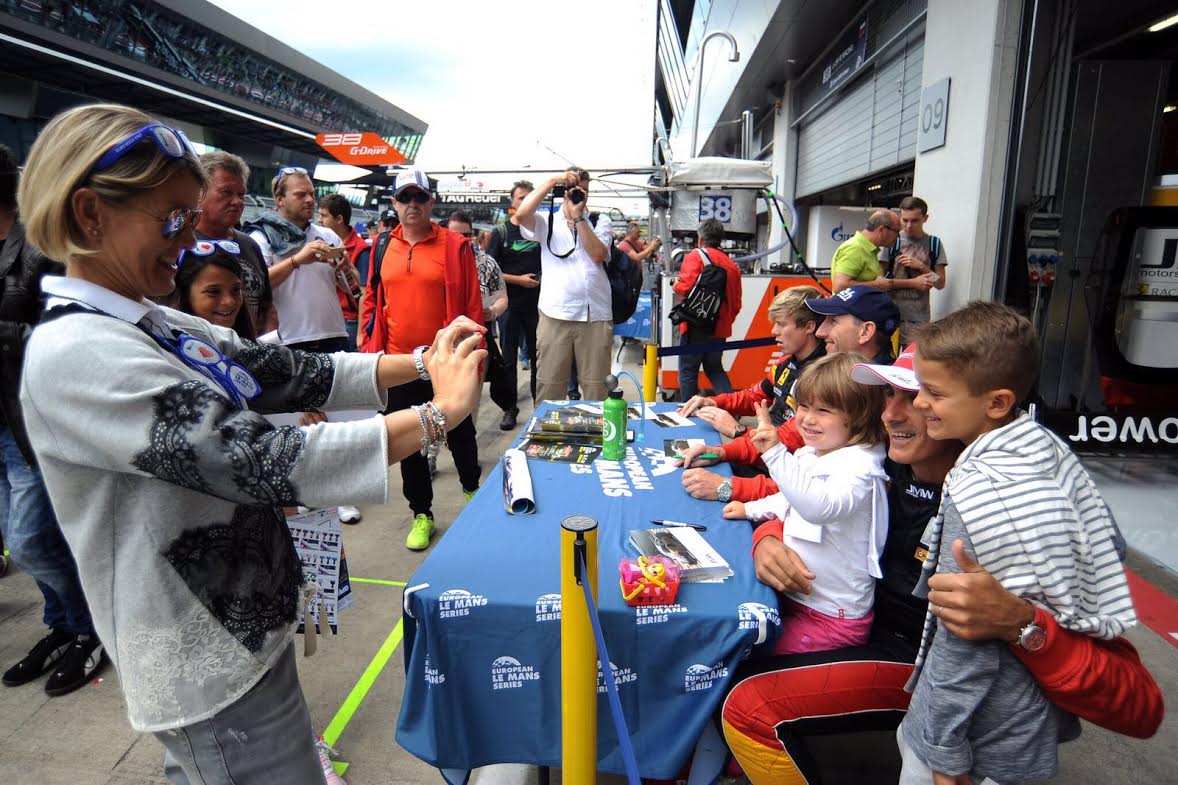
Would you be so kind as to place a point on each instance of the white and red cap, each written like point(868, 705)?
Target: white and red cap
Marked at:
point(411, 178)
point(899, 374)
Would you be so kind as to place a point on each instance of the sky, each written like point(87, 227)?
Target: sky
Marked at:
point(496, 82)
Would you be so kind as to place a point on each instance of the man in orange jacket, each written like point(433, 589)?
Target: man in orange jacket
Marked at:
point(427, 279)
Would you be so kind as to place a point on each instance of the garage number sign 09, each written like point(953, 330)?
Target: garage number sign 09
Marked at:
point(934, 116)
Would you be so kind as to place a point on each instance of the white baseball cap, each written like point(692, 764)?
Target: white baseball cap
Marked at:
point(411, 178)
point(899, 374)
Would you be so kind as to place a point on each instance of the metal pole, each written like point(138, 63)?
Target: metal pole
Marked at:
point(699, 78)
point(578, 652)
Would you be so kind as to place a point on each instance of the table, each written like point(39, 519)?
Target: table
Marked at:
point(482, 621)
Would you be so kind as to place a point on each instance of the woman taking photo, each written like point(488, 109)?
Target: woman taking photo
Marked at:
point(166, 477)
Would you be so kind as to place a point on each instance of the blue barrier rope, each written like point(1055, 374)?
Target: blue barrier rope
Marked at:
point(717, 346)
point(611, 689)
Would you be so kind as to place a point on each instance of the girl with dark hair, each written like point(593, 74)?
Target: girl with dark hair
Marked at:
point(208, 285)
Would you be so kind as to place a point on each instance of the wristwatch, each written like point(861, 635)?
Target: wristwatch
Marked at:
point(419, 362)
point(724, 491)
point(741, 430)
point(1032, 637)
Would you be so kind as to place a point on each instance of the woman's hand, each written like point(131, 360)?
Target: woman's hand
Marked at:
point(734, 511)
point(454, 369)
point(312, 418)
point(765, 435)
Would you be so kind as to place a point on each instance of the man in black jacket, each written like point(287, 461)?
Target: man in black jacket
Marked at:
point(27, 523)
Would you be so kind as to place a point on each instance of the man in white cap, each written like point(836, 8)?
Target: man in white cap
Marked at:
point(422, 280)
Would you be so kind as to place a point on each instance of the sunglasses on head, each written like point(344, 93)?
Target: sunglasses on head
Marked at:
point(208, 247)
point(169, 141)
point(412, 195)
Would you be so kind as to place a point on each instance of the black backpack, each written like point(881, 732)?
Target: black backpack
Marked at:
point(701, 306)
point(625, 283)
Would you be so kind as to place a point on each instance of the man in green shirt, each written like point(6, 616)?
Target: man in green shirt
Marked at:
point(857, 260)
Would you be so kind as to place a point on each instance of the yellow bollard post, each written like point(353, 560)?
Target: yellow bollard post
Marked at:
point(650, 372)
point(578, 653)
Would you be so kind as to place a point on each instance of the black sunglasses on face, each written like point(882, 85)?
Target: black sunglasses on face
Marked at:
point(417, 197)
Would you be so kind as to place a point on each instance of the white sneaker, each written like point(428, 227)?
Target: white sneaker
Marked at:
point(349, 515)
point(325, 753)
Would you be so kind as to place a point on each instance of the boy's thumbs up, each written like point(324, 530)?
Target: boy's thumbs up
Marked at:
point(963, 560)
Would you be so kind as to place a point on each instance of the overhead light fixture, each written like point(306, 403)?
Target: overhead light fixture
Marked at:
point(1162, 25)
point(1169, 108)
point(875, 187)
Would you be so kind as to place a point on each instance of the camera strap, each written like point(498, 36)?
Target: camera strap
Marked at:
point(551, 221)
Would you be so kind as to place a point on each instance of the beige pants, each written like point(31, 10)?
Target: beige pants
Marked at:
point(557, 343)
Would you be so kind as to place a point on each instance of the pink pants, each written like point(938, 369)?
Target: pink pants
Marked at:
point(804, 629)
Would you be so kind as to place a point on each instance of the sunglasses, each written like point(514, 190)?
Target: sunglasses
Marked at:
point(176, 221)
point(287, 170)
point(169, 141)
point(415, 196)
point(208, 248)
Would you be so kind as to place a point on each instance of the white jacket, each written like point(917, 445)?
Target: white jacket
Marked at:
point(835, 514)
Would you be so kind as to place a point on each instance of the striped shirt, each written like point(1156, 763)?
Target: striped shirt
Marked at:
point(1040, 527)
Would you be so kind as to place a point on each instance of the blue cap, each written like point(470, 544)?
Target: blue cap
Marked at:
point(361, 227)
point(862, 302)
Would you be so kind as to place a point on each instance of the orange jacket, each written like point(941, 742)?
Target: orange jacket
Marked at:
point(462, 296)
point(355, 245)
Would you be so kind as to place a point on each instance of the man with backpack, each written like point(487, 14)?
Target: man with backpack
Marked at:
point(576, 312)
point(915, 258)
point(708, 276)
point(519, 259)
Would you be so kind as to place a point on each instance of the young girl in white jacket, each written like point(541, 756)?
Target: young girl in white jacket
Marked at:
point(831, 507)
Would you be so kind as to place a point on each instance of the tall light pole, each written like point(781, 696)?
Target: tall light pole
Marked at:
point(699, 77)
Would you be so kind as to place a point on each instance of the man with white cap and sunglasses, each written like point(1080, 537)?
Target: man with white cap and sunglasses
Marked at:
point(862, 687)
point(422, 277)
point(302, 258)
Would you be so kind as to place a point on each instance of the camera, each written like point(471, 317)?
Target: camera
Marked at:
point(575, 195)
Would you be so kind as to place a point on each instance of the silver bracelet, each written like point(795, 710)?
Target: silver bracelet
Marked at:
point(433, 425)
point(419, 362)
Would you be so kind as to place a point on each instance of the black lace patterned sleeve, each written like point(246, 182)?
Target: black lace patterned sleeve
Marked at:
point(291, 380)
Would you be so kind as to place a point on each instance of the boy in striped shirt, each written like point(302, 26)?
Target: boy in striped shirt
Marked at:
point(1022, 505)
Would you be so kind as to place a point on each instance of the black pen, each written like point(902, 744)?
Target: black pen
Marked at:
point(697, 526)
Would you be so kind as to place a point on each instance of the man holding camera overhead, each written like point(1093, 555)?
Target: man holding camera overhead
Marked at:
point(576, 313)
point(302, 259)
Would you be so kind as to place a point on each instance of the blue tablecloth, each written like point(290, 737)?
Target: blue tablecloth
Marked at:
point(482, 621)
point(638, 325)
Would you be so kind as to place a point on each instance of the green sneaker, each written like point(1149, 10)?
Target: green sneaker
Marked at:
point(423, 529)
point(470, 494)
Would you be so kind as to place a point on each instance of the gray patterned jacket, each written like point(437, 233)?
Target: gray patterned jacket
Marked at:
point(169, 495)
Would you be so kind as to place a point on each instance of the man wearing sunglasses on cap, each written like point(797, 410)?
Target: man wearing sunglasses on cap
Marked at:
point(425, 279)
point(302, 258)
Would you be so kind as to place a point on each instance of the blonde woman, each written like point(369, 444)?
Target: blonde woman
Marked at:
point(168, 480)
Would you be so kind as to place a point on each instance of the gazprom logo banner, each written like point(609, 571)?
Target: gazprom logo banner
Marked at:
point(839, 234)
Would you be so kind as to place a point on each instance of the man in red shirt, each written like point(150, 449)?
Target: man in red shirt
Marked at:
point(335, 213)
point(710, 233)
point(633, 246)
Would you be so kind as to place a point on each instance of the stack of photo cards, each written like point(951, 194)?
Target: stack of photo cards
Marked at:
point(318, 541)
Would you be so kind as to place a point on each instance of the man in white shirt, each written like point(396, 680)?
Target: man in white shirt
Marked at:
point(301, 257)
point(576, 314)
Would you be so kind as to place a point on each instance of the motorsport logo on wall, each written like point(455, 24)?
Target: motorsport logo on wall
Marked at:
point(360, 149)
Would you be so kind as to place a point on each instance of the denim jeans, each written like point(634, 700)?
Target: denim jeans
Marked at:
point(713, 363)
point(264, 738)
point(33, 537)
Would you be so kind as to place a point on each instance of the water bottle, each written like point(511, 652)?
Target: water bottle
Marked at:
point(613, 427)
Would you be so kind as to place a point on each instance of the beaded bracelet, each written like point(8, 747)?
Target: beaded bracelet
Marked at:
point(433, 425)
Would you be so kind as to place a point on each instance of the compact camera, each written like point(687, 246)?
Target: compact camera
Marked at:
point(574, 195)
